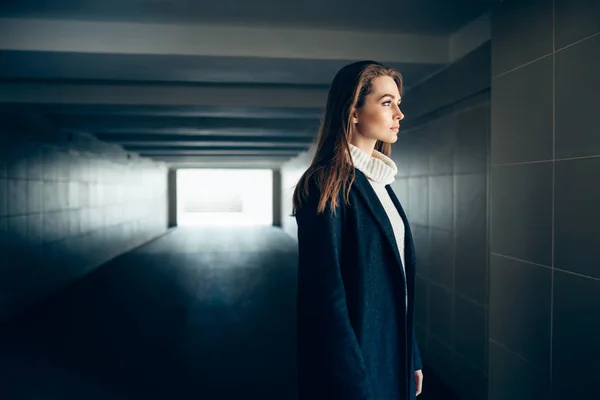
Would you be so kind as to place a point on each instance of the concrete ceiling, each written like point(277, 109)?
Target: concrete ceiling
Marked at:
point(213, 84)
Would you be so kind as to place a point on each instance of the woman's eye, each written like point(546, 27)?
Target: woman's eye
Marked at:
point(385, 103)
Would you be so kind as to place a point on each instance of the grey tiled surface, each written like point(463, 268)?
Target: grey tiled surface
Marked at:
point(543, 305)
point(577, 100)
point(521, 33)
point(65, 211)
point(521, 211)
point(519, 314)
point(575, 207)
point(575, 20)
point(522, 114)
point(576, 349)
point(513, 377)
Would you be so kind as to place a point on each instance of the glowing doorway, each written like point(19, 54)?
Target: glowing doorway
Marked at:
point(224, 197)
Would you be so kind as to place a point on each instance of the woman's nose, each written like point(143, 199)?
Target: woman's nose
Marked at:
point(398, 113)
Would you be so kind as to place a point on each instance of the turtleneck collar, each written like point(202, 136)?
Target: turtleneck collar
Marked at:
point(377, 167)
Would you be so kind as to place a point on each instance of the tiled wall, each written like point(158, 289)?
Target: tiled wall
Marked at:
point(443, 162)
point(67, 204)
point(545, 196)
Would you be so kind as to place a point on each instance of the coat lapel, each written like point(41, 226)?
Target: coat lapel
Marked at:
point(374, 205)
point(408, 239)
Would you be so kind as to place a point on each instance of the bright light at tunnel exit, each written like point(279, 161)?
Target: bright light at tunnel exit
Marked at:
point(224, 197)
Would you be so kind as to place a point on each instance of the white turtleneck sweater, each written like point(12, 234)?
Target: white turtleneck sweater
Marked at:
point(380, 171)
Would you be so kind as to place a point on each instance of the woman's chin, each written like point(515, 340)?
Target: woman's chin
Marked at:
point(393, 138)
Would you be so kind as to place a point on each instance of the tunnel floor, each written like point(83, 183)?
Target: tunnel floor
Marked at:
point(197, 313)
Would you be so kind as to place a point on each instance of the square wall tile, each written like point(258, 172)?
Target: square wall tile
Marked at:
point(471, 382)
point(471, 247)
point(3, 196)
point(84, 195)
point(418, 191)
point(62, 188)
point(521, 212)
point(522, 114)
point(35, 196)
point(520, 308)
point(418, 151)
point(36, 163)
point(442, 257)
point(16, 228)
point(441, 314)
point(576, 237)
point(577, 100)
point(421, 333)
point(3, 235)
point(442, 359)
point(441, 143)
point(421, 300)
point(3, 154)
point(471, 332)
point(17, 160)
point(73, 195)
point(441, 201)
point(50, 164)
point(400, 155)
point(35, 228)
point(576, 329)
point(575, 20)
point(51, 198)
point(472, 140)
point(469, 75)
point(74, 217)
point(526, 23)
point(56, 226)
point(17, 197)
point(422, 249)
point(513, 378)
point(62, 163)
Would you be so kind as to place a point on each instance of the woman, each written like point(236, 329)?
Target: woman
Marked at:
point(356, 268)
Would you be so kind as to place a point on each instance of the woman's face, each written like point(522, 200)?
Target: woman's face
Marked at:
point(380, 115)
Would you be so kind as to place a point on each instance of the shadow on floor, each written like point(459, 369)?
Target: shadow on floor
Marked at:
point(203, 314)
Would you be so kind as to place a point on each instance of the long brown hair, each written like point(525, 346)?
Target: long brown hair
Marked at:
point(331, 168)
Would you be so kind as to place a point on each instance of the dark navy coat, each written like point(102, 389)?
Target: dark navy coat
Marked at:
point(355, 331)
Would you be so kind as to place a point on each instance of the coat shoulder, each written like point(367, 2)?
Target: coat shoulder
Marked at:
point(312, 199)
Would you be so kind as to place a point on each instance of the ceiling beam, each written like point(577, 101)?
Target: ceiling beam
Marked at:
point(219, 41)
point(223, 157)
point(134, 139)
point(231, 146)
point(70, 109)
point(124, 123)
point(227, 164)
point(221, 152)
point(236, 162)
point(186, 145)
point(162, 95)
point(267, 133)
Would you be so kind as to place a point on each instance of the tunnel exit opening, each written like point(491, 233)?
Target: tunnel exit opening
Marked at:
point(224, 197)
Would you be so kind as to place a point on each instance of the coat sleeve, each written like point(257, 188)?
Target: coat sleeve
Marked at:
point(330, 362)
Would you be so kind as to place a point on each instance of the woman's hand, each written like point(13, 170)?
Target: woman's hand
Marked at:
point(419, 381)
